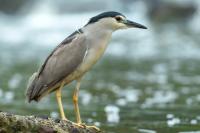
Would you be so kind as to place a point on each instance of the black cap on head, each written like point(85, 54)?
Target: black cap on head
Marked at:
point(104, 15)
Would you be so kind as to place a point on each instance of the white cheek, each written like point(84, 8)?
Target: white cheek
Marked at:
point(122, 26)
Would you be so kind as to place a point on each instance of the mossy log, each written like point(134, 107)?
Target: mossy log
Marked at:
point(11, 123)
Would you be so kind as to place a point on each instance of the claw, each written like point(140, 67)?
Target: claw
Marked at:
point(83, 125)
point(93, 127)
point(79, 125)
point(64, 119)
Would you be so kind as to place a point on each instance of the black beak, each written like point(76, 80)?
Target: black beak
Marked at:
point(134, 24)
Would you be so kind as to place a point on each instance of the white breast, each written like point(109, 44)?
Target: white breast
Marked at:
point(92, 56)
point(96, 46)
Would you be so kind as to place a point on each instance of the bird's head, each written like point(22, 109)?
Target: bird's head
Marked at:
point(114, 21)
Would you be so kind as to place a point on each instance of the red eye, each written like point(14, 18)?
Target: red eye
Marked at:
point(118, 18)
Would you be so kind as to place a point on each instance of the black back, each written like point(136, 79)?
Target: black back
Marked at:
point(104, 15)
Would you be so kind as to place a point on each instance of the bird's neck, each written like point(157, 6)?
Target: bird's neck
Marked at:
point(98, 31)
point(97, 38)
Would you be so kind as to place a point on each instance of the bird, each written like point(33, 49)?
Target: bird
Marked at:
point(74, 57)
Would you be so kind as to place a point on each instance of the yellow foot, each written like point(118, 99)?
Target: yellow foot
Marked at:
point(93, 127)
point(64, 119)
point(79, 125)
point(83, 125)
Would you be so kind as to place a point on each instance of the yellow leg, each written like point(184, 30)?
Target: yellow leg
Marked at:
point(58, 97)
point(75, 100)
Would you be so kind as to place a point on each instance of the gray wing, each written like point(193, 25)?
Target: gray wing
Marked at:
point(59, 64)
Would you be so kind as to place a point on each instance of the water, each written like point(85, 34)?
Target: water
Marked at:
point(148, 80)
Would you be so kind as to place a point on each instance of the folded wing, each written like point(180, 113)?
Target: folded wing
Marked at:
point(64, 60)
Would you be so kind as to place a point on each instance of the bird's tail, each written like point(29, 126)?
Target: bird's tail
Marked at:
point(30, 87)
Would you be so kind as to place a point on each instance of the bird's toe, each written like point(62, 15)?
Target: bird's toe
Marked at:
point(83, 125)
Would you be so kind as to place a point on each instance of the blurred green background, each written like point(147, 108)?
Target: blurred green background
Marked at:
point(148, 81)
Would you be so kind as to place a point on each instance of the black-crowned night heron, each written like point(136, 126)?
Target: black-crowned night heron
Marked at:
point(74, 56)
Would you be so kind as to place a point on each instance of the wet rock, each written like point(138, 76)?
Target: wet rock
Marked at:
point(42, 116)
point(11, 123)
point(57, 120)
point(45, 129)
